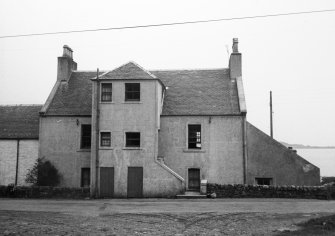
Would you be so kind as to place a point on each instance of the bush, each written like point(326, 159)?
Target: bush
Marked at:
point(43, 173)
point(327, 180)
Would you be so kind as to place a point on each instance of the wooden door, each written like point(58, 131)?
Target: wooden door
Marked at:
point(106, 181)
point(194, 179)
point(135, 182)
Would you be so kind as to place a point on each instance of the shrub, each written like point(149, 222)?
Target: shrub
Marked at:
point(43, 173)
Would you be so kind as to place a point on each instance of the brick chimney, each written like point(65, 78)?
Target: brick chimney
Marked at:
point(66, 64)
point(235, 61)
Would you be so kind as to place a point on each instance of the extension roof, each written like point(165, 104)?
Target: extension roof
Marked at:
point(188, 92)
point(19, 122)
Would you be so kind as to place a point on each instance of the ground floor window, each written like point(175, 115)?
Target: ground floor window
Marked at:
point(85, 177)
point(264, 181)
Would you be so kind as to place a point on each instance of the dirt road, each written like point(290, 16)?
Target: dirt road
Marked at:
point(158, 216)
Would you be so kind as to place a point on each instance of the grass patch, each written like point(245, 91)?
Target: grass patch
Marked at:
point(319, 226)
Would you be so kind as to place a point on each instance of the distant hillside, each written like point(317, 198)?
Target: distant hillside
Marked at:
point(301, 146)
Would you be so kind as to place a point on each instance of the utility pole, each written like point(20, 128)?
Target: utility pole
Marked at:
point(271, 119)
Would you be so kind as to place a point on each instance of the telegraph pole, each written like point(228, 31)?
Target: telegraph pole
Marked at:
point(271, 119)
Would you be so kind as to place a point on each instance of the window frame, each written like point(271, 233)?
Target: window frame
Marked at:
point(127, 145)
point(264, 179)
point(109, 93)
point(104, 139)
point(86, 147)
point(126, 99)
point(196, 142)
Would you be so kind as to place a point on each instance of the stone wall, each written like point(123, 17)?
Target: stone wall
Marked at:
point(28, 154)
point(44, 192)
point(268, 158)
point(264, 191)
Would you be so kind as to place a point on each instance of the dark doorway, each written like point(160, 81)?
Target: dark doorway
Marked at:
point(106, 181)
point(135, 182)
point(194, 179)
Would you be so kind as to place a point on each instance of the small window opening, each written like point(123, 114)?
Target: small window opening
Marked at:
point(194, 136)
point(133, 139)
point(105, 139)
point(132, 92)
point(85, 142)
point(264, 181)
point(106, 92)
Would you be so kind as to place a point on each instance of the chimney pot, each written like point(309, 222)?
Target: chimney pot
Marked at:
point(235, 45)
point(67, 51)
point(66, 64)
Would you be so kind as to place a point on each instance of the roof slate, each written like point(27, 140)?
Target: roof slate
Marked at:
point(128, 71)
point(199, 92)
point(73, 97)
point(19, 122)
point(189, 92)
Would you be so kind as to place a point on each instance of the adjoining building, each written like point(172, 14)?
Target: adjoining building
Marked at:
point(19, 128)
point(131, 132)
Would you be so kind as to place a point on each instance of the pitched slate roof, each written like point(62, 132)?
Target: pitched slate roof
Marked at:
point(19, 122)
point(189, 92)
point(129, 70)
point(199, 92)
point(73, 97)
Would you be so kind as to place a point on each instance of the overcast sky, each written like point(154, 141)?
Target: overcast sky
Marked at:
point(294, 56)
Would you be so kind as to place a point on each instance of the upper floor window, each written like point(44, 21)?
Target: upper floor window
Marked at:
point(132, 91)
point(105, 139)
point(106, 92)
point(85, 141)
point(133, 139)
point(194, 136)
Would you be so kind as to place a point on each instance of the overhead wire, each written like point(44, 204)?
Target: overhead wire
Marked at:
point(168, 24)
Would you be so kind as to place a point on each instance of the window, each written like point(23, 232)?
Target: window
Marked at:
point(85, 142)
point(133, 139)
point(106, 92)
point(85, 177)
point(132, 92)
point(194, 136)
point(105, 139)
point(264, 181)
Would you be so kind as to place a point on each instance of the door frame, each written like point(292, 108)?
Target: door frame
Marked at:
point(128, 186)
point(100, 181)
point(187, 183)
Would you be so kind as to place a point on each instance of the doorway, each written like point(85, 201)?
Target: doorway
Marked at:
point(194, 179)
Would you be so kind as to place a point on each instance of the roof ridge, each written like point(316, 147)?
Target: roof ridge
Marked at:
point(189, 69)
point(92, 71)
point(17, 105)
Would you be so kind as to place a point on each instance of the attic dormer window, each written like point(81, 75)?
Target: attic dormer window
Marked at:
point(132, 92)
point(106, 92)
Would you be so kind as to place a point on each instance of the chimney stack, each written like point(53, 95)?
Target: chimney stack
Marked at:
point(235, 61)
point(66, 64)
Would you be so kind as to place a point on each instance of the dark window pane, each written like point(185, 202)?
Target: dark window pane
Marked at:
point(85, 136)
point(264, 181)
point(194, 136)
point(85, 177)
point(106, 92)
point(133, 139)
point(105, 139)
point(132, 92)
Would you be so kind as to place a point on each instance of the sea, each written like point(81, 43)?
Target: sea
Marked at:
point(322, 158)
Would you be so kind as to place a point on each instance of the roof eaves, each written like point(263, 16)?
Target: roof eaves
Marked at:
point(241, 95)
point(51, 96)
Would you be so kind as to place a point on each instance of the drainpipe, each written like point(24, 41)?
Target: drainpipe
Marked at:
point(97, 136)
point(244, 140)
point(17, 160)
